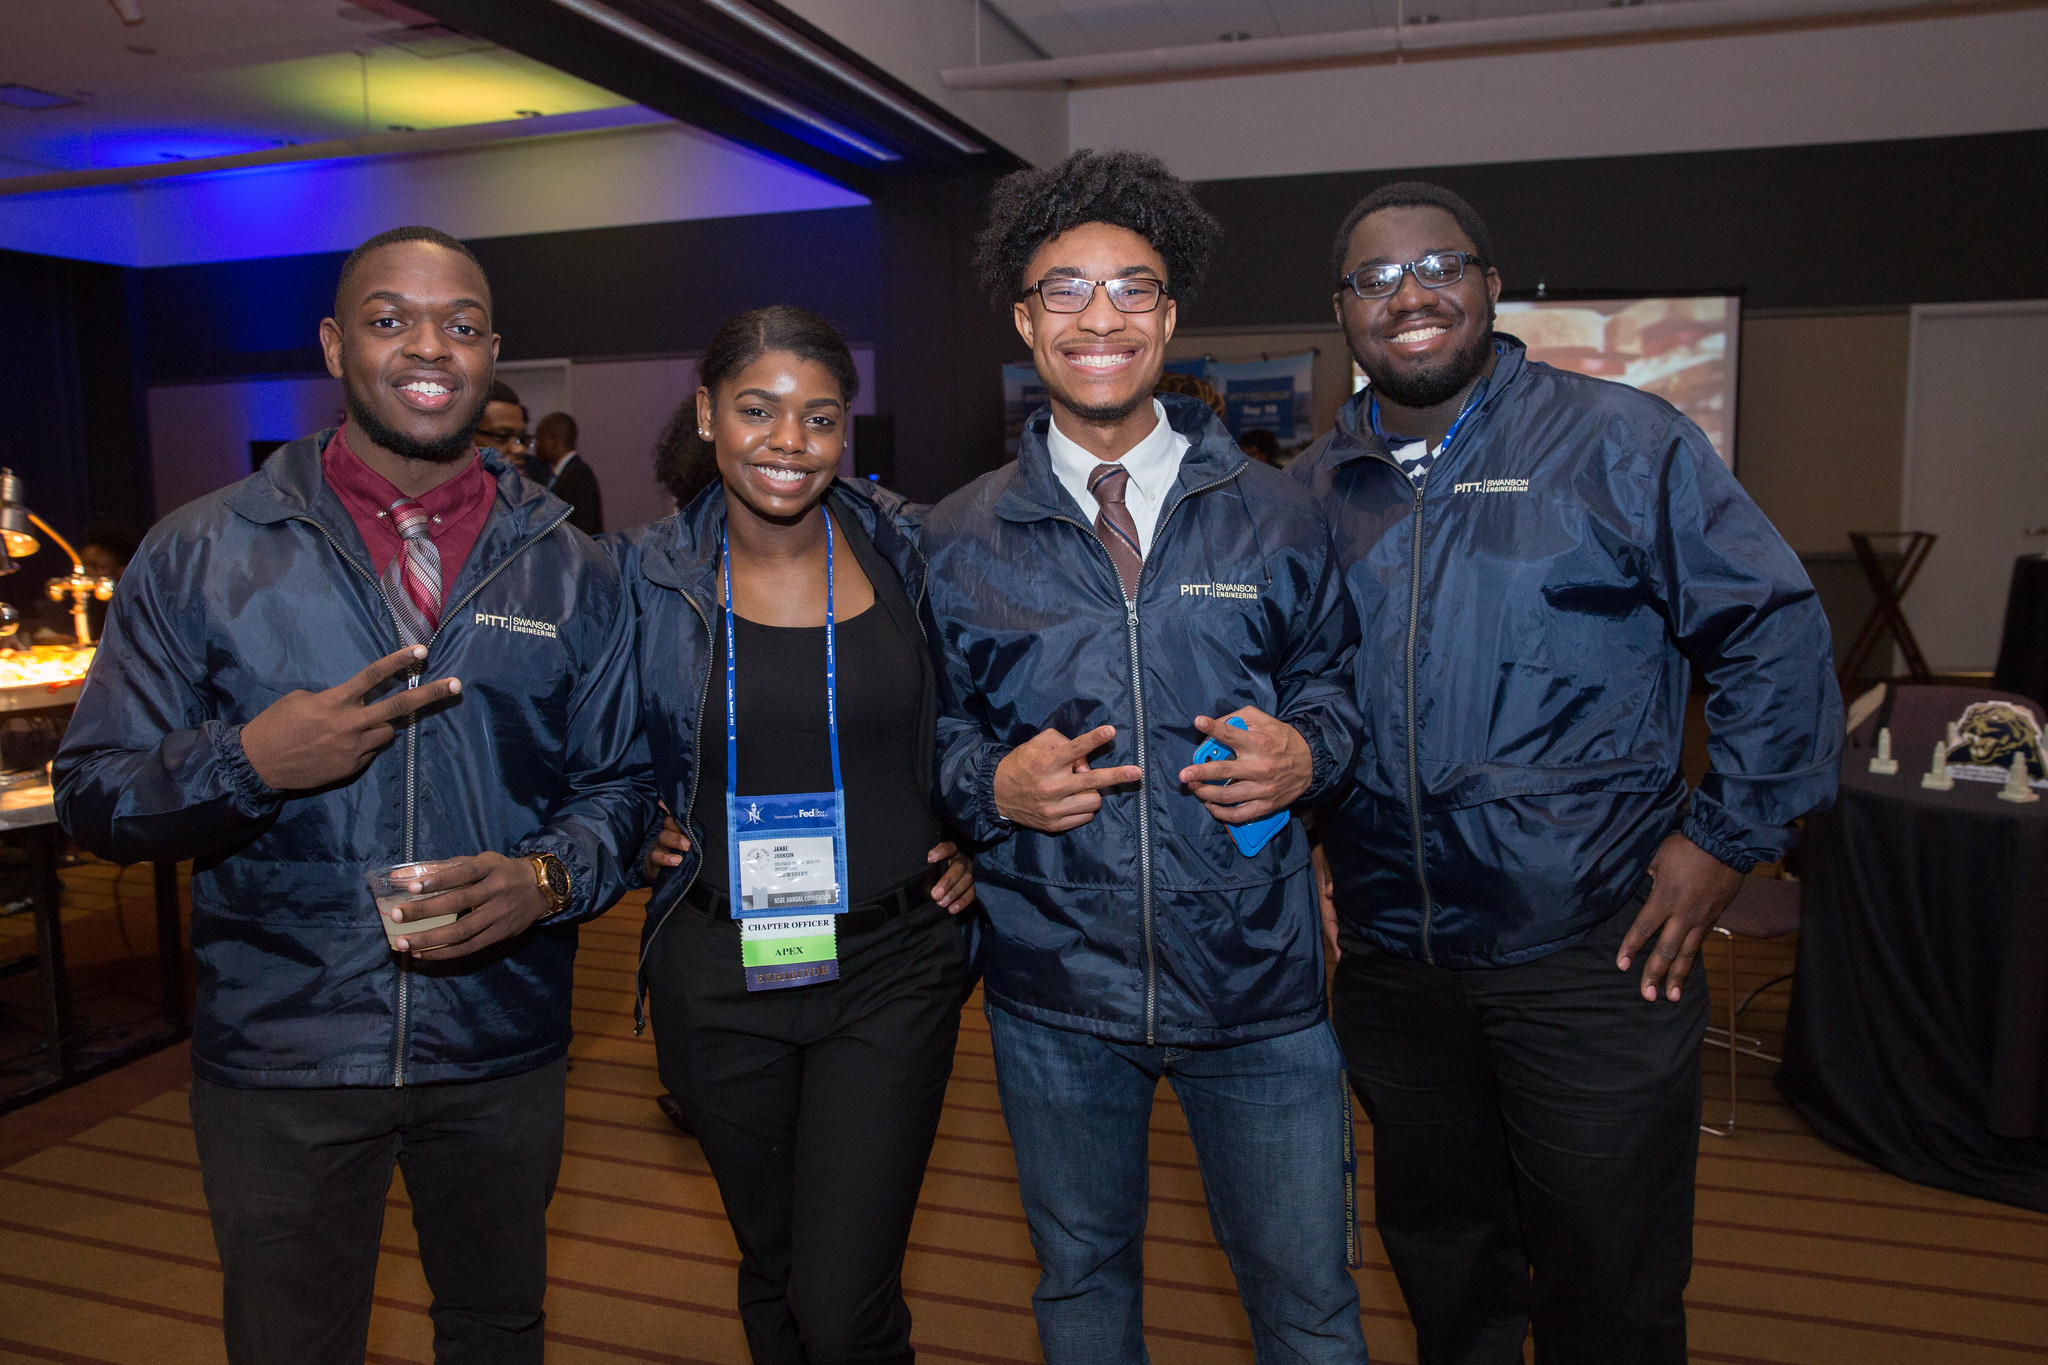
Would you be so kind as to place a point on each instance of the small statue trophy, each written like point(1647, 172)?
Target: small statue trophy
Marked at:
point(1936, 778)
point(1884, 762)
point(2016, 788)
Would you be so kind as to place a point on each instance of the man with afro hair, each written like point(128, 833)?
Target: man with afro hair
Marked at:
point(1130, 586)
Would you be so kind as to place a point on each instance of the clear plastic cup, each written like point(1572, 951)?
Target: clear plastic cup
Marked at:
point(389, 885)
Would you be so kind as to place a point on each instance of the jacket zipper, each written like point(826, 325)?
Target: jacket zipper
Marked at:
point(689, 808)
point(412, 680)
point(1144, 784)
point(1414, 778)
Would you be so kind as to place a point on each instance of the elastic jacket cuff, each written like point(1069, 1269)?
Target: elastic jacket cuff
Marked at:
point(1323, 763)
point(995, 825)
point(636, 876)
point(251, 792)
point(1709, 834)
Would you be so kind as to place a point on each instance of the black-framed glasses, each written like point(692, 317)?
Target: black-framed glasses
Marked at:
point(505, 438)
point(1133, 294)
point(1434, 271)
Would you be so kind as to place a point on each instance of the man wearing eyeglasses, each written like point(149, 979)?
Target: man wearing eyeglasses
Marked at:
point(1519, 880)
point(504, 426)
point(1101, 606)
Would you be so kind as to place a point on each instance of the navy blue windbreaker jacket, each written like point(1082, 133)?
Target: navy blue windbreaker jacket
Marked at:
point(1526, 659)
point(670, 569)
point(1145, 924)
point(265, 587)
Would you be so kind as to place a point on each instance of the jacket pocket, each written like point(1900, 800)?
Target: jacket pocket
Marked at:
point(1455, 786)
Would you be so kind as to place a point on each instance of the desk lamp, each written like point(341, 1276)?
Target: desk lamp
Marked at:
point(20, 542)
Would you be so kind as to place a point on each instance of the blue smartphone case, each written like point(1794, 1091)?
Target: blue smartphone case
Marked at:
point(1255, 836)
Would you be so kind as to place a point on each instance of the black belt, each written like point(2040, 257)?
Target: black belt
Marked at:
point(712, 901)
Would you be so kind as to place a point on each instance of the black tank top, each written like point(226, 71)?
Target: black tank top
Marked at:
point(784, 743)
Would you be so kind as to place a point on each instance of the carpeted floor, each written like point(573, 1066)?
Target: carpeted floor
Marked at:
point(1805, 1256)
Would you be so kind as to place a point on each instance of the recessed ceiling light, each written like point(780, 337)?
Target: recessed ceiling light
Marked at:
point(1236, 35)
point(1424, 18)
point(28, 97)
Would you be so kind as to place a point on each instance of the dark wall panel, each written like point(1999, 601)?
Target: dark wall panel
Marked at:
point(72, 381)
point(647, 289)
point(1883, 224)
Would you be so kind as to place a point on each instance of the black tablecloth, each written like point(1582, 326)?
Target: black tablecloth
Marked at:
point(2023, 649)
point(1920, 1008)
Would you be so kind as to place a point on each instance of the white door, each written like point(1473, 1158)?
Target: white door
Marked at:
point(1976, 470)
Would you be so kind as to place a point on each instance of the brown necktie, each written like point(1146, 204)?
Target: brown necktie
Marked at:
point(1114, 527)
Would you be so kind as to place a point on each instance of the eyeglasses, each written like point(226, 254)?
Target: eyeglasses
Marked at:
point(1062, 295)
point(1433, 271)
point(505, 437)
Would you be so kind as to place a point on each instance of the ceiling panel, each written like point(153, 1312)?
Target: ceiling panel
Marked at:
point(1072, 28)
point(215, 77)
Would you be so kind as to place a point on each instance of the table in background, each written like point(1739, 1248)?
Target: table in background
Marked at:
point(28, 817)
point(2023, 648)
point(1918, 1034)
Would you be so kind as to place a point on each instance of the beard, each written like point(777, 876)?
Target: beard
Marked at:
point(1431, 384)
point(1104, 413)
point(446, 450)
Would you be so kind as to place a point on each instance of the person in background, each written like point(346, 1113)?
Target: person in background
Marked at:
point(779, 606)
point(280, 697)
point(1118, 592)
point(1261, 445)
point(566, 474)
point(504, 428)
point(685, 463)
point(1519, 879)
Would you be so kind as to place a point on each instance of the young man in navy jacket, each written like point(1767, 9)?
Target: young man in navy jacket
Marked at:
point(382, 647)
point(1130, 582)
point(1521, 877)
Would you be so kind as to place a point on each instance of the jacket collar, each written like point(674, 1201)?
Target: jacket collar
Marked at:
point(290, 485)
point(1354, 438)
point(1035, 492)
point(682, 552)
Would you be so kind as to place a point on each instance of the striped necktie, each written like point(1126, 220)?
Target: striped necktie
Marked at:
point(412, 581)
point(1114, 527)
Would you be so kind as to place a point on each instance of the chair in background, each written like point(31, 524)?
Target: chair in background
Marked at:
point(1765, 907)
point(1888, 614)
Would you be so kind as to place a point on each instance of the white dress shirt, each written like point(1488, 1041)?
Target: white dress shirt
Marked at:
point(1153, 464)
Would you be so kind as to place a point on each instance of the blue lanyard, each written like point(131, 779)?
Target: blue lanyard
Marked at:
point(732, 721)
point(1478, 392)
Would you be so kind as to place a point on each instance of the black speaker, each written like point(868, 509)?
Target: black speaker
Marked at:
point(874, 449)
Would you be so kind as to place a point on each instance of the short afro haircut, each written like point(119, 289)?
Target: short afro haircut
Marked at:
point(1124, 189)
point(392, 237)
point(1412, 194)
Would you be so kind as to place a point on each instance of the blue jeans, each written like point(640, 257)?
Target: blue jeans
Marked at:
point(1267, 1119)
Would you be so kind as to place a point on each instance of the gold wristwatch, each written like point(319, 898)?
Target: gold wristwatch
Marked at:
point(553, 879)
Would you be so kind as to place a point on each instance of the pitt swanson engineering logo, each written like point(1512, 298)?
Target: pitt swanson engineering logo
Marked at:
point(1241, 592)
point(518, 624)
point(1492, 486)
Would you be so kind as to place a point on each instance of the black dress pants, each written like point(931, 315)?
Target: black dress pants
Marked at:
point(816, 1108)
point(1534, 1130)
point(296, 1181)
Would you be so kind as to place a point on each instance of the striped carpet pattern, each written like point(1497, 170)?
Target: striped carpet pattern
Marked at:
point(1805, 1256)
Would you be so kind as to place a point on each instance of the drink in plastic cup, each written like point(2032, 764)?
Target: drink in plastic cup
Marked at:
point(388, 885)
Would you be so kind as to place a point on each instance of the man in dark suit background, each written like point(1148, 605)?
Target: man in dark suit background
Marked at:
point(564, 472)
